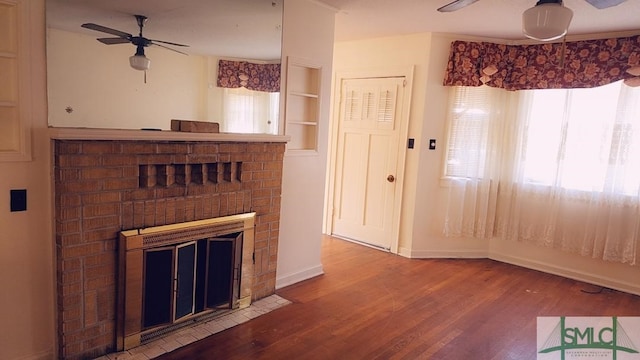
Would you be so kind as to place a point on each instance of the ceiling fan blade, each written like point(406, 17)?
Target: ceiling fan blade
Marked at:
point(166, 42)
point(107, 30)
point(603, 4)
point(168, 48)
point(113, 41)
point(456, 5)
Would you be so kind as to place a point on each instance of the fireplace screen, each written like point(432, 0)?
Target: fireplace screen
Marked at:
point(180, 272)
point(189, 278)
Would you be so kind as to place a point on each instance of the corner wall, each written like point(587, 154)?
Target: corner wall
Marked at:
point(307, 33)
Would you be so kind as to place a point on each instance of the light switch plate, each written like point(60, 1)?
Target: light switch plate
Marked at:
point(18, 200)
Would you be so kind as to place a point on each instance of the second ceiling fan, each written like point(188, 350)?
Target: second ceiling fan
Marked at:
point(548, 20)
point(459, 4)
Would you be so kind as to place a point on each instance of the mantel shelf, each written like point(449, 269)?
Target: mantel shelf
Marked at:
point(161, 135)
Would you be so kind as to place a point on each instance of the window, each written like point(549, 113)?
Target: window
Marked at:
point(477, 119)
point(555, 168)
point(248, 111)
point(468, 132)
point(579, 139)
point(584, 139)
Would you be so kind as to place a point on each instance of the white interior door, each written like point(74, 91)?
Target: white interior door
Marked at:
point(366, 163)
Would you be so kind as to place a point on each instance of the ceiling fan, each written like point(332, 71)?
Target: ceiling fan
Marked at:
point(138, 61)
point(459, 4)
point(547, 20)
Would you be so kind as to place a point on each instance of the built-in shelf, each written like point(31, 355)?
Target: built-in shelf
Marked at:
point(302, 104)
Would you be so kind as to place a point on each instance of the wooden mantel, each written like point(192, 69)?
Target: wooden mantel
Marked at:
point(63, 133)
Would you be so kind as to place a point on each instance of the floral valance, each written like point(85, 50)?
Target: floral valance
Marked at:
point(258, 77)
point(579, 64)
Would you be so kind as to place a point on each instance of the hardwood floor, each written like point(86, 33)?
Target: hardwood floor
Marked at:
point(374, 305)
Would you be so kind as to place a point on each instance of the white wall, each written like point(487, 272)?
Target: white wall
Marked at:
point(308, 34)
point(104, 91)
point(214, 93)
point(431, 197)
point(27, 329)
point(424, 198)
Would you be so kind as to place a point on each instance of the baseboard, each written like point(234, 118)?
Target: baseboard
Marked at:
point(296, 277)
point(404, 252)
point(441, 254)
point(568, 273)
point(529, 264)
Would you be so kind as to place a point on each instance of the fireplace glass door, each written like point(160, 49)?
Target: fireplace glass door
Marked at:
point(158, 286)
point(189, 278)
point(185, 277)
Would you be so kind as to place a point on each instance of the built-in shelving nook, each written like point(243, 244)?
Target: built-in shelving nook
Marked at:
point(302, 104)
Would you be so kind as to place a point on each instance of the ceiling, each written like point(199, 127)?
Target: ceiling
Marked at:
point(499, 19)
point(251, 29)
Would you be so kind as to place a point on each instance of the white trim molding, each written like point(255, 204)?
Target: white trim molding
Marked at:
point(590, 278)
point(290, 279)
point(443, 254)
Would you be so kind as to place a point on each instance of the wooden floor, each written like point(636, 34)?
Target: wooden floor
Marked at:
point(374, 305)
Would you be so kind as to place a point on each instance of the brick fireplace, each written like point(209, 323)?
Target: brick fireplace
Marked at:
point(104, 186)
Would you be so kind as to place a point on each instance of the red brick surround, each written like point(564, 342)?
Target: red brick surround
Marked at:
point(103, 187)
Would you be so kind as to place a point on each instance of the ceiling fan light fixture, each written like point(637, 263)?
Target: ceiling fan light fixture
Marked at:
point(547, 20)
point(139, 62)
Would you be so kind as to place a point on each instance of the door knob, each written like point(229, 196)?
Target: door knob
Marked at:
point(391, 178)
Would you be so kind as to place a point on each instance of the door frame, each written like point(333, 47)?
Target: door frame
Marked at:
point(403, 123)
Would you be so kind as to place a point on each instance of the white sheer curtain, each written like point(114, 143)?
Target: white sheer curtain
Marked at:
point(568, 174)
point(476, 132)
point(248, 111)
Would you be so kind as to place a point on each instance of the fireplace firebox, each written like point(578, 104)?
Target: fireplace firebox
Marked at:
point(175, 275)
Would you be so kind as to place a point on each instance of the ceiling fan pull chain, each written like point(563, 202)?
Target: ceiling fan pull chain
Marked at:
point(145, 76)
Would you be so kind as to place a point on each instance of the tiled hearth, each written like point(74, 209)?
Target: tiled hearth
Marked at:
point(105, 186)
point(198, 332)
